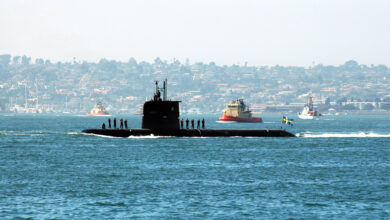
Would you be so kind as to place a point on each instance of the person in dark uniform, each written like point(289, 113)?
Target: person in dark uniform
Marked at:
point(181, 123)
point(198, 124)
point(192, 123)
point(125, 123)
point(202, 123)
point(109, 122)
point(121, 122)
point(187, 121)
point(114, 122)
point(103, 126)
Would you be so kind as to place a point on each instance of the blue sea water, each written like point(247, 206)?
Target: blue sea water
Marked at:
point(338, 167)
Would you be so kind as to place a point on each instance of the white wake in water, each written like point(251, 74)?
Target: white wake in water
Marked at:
point(75, 133)
point(89, 134)
point(148, 136)
point(19, 133)
point(344, 135)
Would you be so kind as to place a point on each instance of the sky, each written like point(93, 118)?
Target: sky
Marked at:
point(227, 32)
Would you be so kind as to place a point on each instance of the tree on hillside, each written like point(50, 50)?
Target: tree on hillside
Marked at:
point(39, 61)
point(132, 62)
point(157, 61)
point(26, 60)
point(5, 59)
point(108, 65)
point(351, 65)
point(84, 67)
point(16, 60)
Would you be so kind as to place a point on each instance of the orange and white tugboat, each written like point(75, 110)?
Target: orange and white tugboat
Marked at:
point(98, 110)
point(308, 111)
point(237, 111)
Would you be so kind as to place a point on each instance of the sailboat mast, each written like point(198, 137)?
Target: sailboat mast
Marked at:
point(36, 90)
point(25, 97)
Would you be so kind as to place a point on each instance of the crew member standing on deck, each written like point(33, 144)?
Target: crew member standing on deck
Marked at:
point(114, 122)
point(103, 126)
point(198, 124)
point(121, 122)
point(181, 123)
point(109, 122)
point(187, 121)
point(202, 123)
point(192, 123)
point(125, 123)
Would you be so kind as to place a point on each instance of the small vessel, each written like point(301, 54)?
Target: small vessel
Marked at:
point(308, 111)
point(66, 106)
point(237, 111)
point(98, 110)
point(139, 110)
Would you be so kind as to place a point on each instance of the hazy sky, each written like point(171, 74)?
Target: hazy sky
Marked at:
point(290, 32)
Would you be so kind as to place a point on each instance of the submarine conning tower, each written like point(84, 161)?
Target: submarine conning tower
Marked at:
point(159, 113)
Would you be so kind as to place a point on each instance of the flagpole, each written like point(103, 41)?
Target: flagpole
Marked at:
point(281, 123)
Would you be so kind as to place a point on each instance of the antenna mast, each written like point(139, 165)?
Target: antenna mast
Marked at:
point(165, 89)
point(156, 86)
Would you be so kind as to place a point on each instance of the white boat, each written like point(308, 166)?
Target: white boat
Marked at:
point(140, 110)
point(98, 110)
point(332, 111)
point(308, 111)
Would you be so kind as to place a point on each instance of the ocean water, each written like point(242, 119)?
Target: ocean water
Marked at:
point(337, 167)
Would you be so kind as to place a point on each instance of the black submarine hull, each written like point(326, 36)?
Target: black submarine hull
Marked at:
point(190, 133)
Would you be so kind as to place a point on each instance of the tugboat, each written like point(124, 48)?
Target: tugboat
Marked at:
point(161, 118)
point(98, 110)
point(237, 111)
point(308, 111)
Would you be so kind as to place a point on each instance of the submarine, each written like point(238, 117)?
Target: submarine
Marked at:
point(161, 118)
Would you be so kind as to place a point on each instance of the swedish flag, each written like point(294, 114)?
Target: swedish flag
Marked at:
point(287, 121)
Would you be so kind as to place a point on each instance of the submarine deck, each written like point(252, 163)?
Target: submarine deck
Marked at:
point(190, 132)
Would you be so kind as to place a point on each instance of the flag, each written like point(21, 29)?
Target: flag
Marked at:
point(287, 121)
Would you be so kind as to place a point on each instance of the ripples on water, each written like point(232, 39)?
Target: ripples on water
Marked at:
point(339, 168)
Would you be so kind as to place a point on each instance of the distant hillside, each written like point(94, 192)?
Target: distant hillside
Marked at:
point(121, 86)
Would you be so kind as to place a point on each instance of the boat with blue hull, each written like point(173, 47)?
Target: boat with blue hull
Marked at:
point(161, 118)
